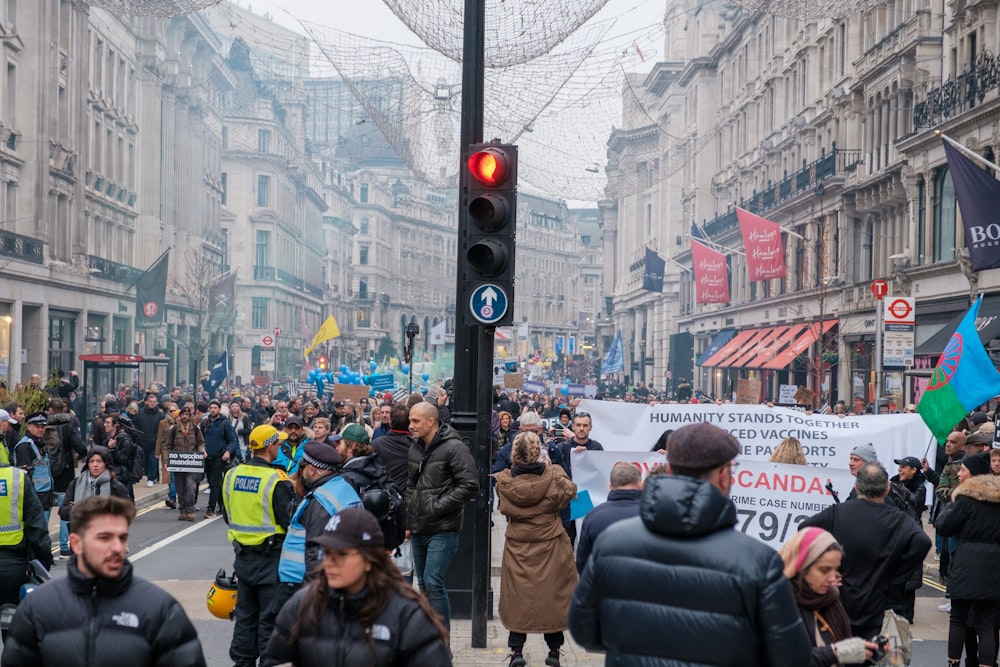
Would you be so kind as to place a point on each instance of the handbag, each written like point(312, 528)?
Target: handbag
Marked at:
point(897, 630)
point(402, 558)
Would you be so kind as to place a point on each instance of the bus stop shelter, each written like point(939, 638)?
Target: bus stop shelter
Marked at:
point(102, 373)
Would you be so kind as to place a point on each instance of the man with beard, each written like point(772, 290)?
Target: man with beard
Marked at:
point(99, 613)
point(324, 494)
point(185, 437)
point(385, 421)
point(290, 450)
point(221, 445)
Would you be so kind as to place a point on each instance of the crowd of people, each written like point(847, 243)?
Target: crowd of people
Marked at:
point(325, 499)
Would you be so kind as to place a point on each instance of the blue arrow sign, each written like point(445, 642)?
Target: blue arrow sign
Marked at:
point(489, 303)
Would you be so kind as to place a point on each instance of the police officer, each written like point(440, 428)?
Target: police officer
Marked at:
point(25, 535)
point(324, 496)
point(257, 500)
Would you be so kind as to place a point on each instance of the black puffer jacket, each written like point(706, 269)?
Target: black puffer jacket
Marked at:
point(125, 621)
point(442, 479)
point(681, 565)
point(402, 634)
point(973, 518)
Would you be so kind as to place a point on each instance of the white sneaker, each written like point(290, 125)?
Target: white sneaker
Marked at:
point(946, 607)
point(149, 482)
point(937, 556)
point(207, 491)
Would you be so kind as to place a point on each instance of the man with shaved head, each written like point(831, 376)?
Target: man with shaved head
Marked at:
point(442, 478)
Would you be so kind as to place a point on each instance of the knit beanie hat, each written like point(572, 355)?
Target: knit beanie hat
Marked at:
point(804, 549)
point(978, 464)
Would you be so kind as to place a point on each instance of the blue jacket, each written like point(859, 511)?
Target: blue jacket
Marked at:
point(621, 504)
point(332, 495)
point(219, 437)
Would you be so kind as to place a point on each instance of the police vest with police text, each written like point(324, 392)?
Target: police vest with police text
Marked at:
point(11, 506)
point(333, 496)
point(248, 492)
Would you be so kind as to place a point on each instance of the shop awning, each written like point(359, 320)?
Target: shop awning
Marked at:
point(720, 339)
point(806, 338)
point(750, 343)
point(763, 342)
point(988, 325)
point(729, 348)
point(776, 344)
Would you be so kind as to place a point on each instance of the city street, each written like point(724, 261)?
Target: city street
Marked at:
point(183, 559)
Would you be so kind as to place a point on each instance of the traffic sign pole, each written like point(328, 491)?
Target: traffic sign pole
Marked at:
point(879, 325)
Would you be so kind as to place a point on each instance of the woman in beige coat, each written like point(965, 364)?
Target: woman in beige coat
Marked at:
point(538, 574)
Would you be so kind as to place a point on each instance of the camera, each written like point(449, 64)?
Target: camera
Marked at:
point(882, 641)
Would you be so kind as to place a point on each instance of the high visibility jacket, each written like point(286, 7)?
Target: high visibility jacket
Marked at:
point(248, 492)
point(333, 496)
point(11, 506)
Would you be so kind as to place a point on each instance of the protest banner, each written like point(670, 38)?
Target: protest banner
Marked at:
point(747, 391)
point(513, 380)
point(827, 440)
point(185, 462)
point(350, 392)
point(771, 499)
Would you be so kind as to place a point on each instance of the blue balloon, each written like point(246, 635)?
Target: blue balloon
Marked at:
point(342, 377)
point(312, 374)
point(405, 368)
point(426, 376)
point(564, 391)
point(344, 368)
point(372, 366)
point(364, 379)
point(329, 376)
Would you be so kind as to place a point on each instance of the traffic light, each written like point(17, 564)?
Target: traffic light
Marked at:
point(322, 363)
point(489, 191)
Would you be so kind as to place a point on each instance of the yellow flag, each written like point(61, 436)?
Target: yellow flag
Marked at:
point(326, 332)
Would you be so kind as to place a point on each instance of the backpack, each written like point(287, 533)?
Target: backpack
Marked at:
point(53, 440)
point(901, 497)
point(382, 498)
point(137, 463)
point(39, 469)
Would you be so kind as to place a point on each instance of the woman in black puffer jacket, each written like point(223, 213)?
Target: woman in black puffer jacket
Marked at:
point(358, 611)
point(973, 519)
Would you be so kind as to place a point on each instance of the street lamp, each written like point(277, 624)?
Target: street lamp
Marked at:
point(412, 331)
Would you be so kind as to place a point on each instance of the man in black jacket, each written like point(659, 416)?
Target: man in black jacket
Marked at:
point(72, 446)
point(147, 422)
point(394, 449)
point(622, 503)
point(681, 564)
point(99, 614)
point(882, 547)
point(442, 479)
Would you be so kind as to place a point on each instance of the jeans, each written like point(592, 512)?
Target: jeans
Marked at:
point(63, 525)
point(187, 491)
point(214, 467)
point(432, 556)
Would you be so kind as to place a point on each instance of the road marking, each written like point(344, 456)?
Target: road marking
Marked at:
point(153, 548)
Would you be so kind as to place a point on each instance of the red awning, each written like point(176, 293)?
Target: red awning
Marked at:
point(799, 345)
point(729, 348)
point(749, 344)
point(765, 342)
point(768, 352)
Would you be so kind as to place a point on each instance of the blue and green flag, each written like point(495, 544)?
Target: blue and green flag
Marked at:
point(963, 379)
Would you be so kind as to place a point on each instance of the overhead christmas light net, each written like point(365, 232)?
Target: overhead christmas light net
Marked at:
point(805, 10)
point(161, 8)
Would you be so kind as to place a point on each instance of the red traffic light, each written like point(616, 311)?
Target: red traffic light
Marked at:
point(322, 363)
point(490, 166)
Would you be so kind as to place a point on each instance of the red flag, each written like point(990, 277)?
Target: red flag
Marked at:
point(762, 241)
point(711, 275)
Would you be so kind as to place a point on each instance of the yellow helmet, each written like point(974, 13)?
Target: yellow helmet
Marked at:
point(221, 600)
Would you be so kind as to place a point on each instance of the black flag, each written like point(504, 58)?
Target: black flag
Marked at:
point(652, 279)
point(978, 195)
point(151, 295)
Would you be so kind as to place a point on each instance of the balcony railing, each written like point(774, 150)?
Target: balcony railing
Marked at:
point(315, 290)
point(290, 280)
point(960, 93)
point(835, 163)
point(113, 271)
point(21, 247)
point(263, 272)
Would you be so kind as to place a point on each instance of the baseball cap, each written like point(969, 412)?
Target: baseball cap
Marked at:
point(355, 433)
point(339, 404)
point(265, 435)
point(292, 419)
point(353, 527)
point(5, 416)
point(36, 418)
point(911, 461)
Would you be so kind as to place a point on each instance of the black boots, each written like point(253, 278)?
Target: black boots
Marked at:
point(553, 659)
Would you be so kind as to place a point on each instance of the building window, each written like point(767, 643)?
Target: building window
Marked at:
point(364, 225)
point(263, 141)
point(944, 216)
point(921, 221)
point(259, 315)
point(263, 191)
point(363, 255)
point(363, 289)
point(225, 137)
point(263, 243)
point(364, 193)
point(364, 318)
point(225, 188)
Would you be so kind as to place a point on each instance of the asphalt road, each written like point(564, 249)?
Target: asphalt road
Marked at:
point(184, 558)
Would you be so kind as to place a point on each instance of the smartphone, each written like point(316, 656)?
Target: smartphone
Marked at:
point(543, 453)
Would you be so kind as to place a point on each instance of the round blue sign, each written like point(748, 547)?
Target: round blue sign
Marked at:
point(489, 303)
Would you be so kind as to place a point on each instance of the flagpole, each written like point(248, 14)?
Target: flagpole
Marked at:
point(718, 246)
point(683, 268)
point(787, 231)
point(966, 152)
point(132, 284)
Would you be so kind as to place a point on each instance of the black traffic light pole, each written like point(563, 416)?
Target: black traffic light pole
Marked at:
point(472, 399)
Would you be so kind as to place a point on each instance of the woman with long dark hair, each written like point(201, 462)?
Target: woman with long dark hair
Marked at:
point(812, 563)
point(357, 610)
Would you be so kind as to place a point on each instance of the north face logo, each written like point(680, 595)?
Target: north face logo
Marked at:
point(126, 619)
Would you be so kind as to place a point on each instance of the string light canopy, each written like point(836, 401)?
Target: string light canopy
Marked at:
point(159, 8)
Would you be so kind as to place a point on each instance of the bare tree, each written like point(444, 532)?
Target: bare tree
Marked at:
point(208, 296)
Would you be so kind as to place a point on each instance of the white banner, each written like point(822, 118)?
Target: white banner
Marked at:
point(826, 439)
point(771, 499)
point(185, 462)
